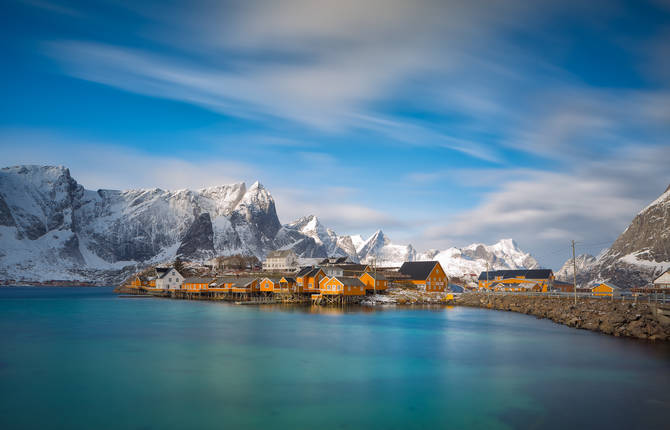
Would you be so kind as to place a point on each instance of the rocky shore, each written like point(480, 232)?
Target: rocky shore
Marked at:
point(617, 318)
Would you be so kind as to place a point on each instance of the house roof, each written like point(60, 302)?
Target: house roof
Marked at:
point(609, 284)
point(349, 280)
point(196, 280)
point(280, 253)
point(335, 260)
point(304, 271)
point(220, 281)
point(288, 279)
point(274, 279)
point(527, 273)
point(376, 276)
point(351, 267)
point(418, 270)
point(164, 271)
point(243, 282)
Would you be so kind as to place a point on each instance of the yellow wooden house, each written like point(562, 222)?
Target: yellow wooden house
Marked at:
point(374, 281)
point(343, 285)
point(426, 274)
point(604, 289)
point(539, 280)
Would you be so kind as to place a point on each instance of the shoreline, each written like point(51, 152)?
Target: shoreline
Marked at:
point(646, 321)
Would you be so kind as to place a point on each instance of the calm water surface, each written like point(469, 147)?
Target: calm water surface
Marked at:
point(78, 358)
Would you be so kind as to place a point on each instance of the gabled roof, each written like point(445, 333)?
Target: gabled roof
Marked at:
point(196, 280)
point(243, 282)
point(349, 280)
point(164, 271)
point(221, 281)
point(417, 270)
point(375, 276)
point(527, 273)
point(288, 279)
point(273, 279)
point(335, 260)
point(304, 271)
point(609, 284)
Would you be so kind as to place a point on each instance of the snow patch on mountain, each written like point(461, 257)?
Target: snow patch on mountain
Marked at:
point(475, 258)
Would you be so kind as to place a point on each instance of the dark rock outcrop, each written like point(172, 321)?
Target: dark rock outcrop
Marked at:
point(198, 242)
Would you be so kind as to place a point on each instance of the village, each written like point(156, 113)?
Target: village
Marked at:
point(338, 281)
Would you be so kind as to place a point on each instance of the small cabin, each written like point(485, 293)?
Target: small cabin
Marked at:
point(374, 281)
point(269, 285)
point(344, 285)
point(604, 289)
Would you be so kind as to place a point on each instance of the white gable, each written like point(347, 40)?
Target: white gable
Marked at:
point(663, 279)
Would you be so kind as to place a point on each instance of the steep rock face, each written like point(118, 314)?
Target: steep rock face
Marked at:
point(198, 242)
point(584, 263)
point(326, 243)
point(379, 248)
point(641, 252)
point(53, 228)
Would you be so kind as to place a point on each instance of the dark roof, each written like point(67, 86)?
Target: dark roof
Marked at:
point(334, 260)
point(349, 280)
point(288, 279)
point(243, 282)
point(274, 279)
point(558, 283)
point(162, 271)
point(197, 280)
point(528, 273)
point(417, 270)
point(304, 271)
point(456, 288)
point(376, 276)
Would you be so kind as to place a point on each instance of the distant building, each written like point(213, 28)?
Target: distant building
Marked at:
point(663, 281)
point(279, 261)
point(345, 269)
point(604, 289)
point(334, 260)
point(428, 275)
point(167, 278)
point(517, 280)
point(563, 287)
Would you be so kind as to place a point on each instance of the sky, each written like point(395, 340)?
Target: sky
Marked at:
point(441, 122)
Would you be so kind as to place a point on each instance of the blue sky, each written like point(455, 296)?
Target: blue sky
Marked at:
point(440, 122)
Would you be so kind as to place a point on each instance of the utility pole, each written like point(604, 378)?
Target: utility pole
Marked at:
point(574, 271)
point(374, 281)
point(487, 276)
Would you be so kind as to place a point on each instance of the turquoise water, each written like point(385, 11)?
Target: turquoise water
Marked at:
point(78, 358)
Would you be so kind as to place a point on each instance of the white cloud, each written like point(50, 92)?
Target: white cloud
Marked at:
point(543, 211)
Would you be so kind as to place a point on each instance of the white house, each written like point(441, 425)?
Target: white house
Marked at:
point(663, 281)
point(281, 260)
point(168, 278)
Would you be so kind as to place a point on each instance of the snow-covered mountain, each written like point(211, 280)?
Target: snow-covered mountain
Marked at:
point(584, 262)
point(53, 228)
point(330, 243)
point(473, 259)
point(379, 248)
point(640, 254)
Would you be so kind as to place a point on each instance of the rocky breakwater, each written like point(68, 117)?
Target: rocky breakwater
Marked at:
point(613, 317)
